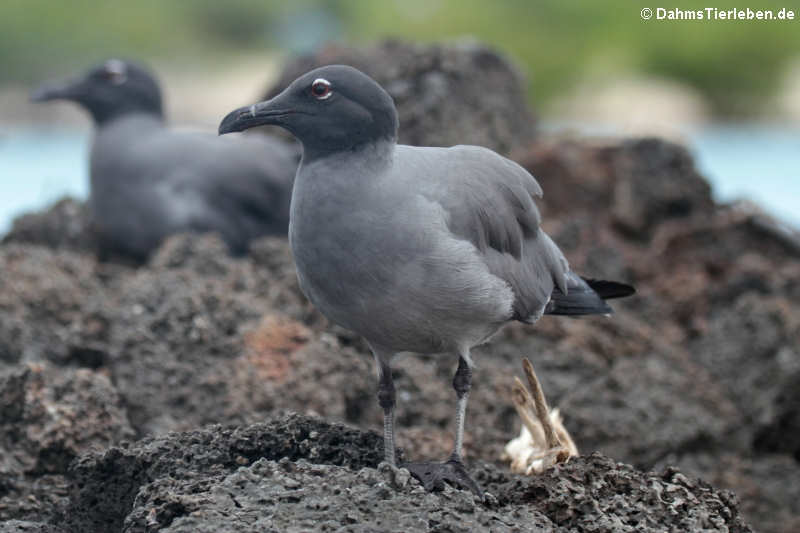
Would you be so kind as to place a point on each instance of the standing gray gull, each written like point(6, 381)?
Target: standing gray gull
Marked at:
point(148, 181)
point(427, 250)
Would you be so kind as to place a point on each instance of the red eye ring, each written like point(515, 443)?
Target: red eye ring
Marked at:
point(321, 89)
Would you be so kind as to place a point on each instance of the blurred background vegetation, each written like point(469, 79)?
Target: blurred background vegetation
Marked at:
point(737, 66)
point(730, 90)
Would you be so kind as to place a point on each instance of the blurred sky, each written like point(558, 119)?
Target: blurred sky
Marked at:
point(731, 88)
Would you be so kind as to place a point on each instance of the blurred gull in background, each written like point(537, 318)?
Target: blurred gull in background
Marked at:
point(147, 181)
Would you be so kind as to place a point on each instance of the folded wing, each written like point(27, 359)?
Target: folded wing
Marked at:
point(489, 201)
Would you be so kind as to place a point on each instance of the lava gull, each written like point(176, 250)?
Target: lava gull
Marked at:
point(149, 181)
point(427, 250)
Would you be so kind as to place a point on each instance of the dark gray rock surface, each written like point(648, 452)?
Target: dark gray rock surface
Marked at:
point(300, 474)
point(49, 417)
point(22, 526)
point(65, 224)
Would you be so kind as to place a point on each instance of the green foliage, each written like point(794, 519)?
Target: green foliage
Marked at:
point(735, 63)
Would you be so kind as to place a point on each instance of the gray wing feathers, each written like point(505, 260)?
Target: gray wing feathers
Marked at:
point(533, 277)
point(492, 205)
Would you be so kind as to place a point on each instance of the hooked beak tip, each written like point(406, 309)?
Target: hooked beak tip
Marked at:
point(39, 95)
point(272, 112)
point(233, 121)
point(249, 117)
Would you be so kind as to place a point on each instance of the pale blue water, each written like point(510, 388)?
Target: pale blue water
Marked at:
point(760, 163)
point(38, 167)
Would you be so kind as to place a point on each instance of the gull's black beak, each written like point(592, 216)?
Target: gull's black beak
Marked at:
point(57, 91)
point(270, 112)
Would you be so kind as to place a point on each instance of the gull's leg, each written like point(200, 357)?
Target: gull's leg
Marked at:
point(462, 381)
point(433, 475)
point(386, 399)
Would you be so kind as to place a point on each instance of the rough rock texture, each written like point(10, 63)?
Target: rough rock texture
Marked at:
point(46, 299)
point(51, 415)
point(766, 485)
point(700, 370)
point(109, 483)
point(655, 181)
point(48, 418)
point(657, 501)
point(476, 94)
point(22, 526)
point(299, 474)
point(65, 224)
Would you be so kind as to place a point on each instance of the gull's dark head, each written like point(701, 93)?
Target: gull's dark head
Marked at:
point(109, 90)
point(330, 109)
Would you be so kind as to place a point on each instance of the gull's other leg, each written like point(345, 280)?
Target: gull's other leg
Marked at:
point(462, 381)
point(433, 475)
point(386, 399)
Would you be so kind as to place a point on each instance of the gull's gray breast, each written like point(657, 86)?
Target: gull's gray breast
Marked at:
point(378, 258)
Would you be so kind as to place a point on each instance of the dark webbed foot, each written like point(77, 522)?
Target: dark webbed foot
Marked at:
point(433, 475)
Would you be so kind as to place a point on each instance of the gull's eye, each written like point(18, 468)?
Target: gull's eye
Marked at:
point(115, 72)
point(321, 89)
point(117, 78)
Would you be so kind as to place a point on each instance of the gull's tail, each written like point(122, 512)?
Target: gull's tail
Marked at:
point(586, 296)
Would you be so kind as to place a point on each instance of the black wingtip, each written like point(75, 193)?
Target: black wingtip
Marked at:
point(608, 290)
